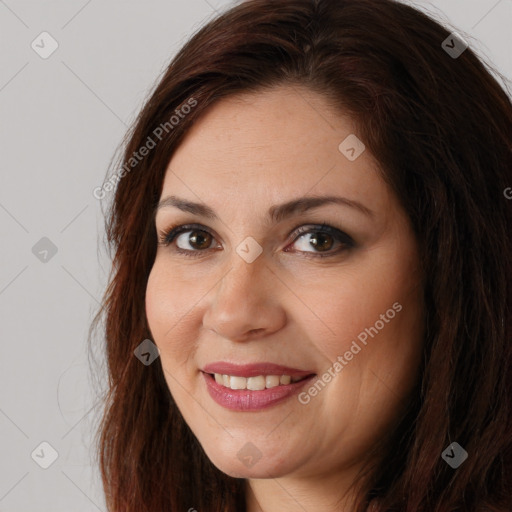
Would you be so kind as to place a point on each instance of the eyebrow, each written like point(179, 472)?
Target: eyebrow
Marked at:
point(276, 213)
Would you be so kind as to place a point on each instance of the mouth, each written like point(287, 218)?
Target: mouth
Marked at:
point(254, 370)
point(256, 383)
point(253, 393)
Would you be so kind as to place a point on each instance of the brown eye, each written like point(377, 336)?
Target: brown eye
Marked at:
point(197, 239)
point(322, 241)
point(187, 239)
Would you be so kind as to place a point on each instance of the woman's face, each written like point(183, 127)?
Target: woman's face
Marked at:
point(248, 289)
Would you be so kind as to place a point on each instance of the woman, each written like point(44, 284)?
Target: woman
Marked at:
point(310, 305)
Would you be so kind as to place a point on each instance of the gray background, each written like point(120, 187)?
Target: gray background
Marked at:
point(61, 120)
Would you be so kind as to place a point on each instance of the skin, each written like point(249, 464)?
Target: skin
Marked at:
point(246, 153)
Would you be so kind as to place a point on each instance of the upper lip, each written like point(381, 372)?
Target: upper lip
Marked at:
point(253, 370)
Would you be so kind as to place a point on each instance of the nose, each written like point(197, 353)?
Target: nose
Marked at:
point(246, 303)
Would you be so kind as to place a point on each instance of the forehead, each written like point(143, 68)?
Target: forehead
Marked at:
point(272, 146)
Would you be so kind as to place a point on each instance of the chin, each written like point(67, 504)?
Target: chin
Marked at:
point(244, 465)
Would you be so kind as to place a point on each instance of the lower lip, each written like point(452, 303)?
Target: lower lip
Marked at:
point(247, 400)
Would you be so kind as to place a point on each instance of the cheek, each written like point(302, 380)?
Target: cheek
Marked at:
point(378, 306)
point(167, 305)
point(158, 303)
point(351, 308)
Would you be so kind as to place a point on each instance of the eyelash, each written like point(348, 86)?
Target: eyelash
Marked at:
point(166, 237)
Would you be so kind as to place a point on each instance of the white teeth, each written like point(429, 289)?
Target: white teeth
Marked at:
point(238, 382)
point(254, 383)
point(271, 381)
point(285, 379)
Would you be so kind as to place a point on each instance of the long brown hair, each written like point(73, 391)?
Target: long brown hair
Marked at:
point(441, 127)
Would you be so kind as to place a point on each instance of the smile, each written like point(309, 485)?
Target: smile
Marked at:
point(257, 383)
point(238, 395)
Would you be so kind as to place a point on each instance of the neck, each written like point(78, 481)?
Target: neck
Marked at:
point(289, 494)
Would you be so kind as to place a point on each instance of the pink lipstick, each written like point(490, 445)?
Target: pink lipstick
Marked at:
point(270, 383)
